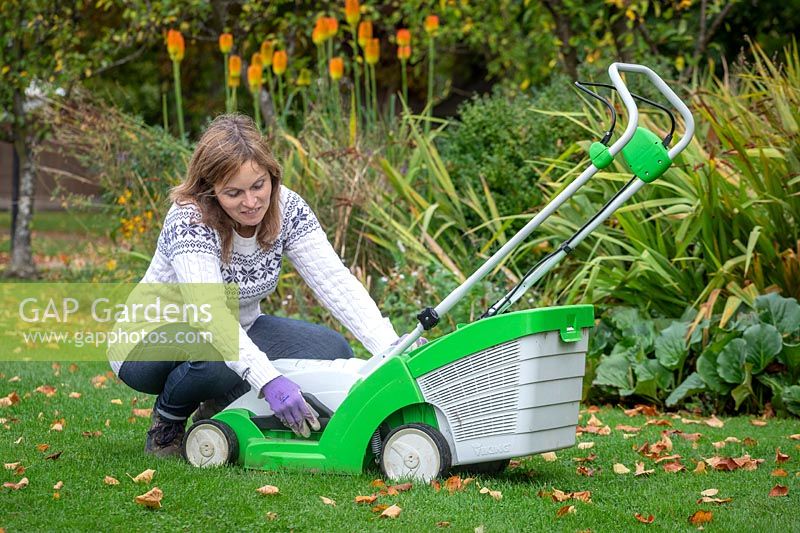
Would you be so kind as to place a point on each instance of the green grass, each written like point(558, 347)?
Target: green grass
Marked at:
point(59, 231)
point(225, 498)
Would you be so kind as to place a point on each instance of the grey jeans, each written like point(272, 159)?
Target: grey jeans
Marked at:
point(182, 385)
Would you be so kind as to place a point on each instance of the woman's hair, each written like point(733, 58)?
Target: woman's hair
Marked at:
point(229, 142)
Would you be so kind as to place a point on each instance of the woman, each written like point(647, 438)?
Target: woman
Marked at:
point(232, 221)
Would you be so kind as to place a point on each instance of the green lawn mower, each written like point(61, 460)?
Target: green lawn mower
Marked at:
point(506, 385)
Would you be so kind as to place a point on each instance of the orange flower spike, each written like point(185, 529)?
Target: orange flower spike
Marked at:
point(235, 66)
point(336, 68)
point(403, 37)
point(267, 49)
point(364, 33)
point(352, 11)
point(279, 61)
point(332, 27)
point(372, 52)
point(233, 81)
point(432, 25)
point(403, 52)
point(175, 45)
point(226, 43)
point(254, 77)
point(320, 32)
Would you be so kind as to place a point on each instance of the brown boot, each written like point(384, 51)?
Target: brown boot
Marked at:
point(164, 436)
point(206, 410)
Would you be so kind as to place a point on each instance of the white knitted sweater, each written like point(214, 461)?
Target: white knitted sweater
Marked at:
point(190, 252)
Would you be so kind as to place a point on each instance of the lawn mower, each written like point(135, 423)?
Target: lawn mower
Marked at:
point(506, 385)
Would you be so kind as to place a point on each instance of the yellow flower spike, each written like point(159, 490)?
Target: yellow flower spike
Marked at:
point(372, 52)
point(279, 62)
point(255, 59)
point(403, 37)
point(254, 73)
point(175, 45)
point(403, 53)
point(364, 33)
point(226, 43)
point(267, 49)
point(432, 25)
point(336, 68)
point(331, 27)
point(352, 12)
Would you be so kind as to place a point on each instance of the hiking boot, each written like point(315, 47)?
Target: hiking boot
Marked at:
point(206, 410)
point(164, 436)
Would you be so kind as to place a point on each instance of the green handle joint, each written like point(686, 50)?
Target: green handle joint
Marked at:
point(646, 156)
point(600, 156)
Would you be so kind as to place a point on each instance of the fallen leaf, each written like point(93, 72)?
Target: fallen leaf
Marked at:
point(56, 366)
point(436, 485)
point(378, 483)
point(442, 524)
point(667, 458)
point(589, 458)
point(567, 509)
point(272, 516)
point(639, 409)
point(700, 468)
point(627, 429)
point(690, 421)
point(719, 444)
point(151, 498)
point(402, 487)
point(778, 491)
point(328, 501)
point(58, 485)
point(644, 520)
point(514, 463)
point(366, 499)
point(640, 471)
point(47, 390)
point(796, 436)
point(11, 466)
point(779, 472)
point(267, 490)
point(701, 517)
point(750, 442)
point(706, 499)
point(21, 484)
point(673, 467)
point(549, 456)
point(582, 495)
point(56, 496)
point(691, 437)
point(658, 422)
point(585, 471)
point(594, 421)
point(14, 379)
point(714, 422)
point(42, 447)
point(11, 399)
point(146, 476)
point(58, 425)
point(72, 368)
point(381, 507)
point(91, 433)
point(99, 381)
point(54, 456)
point(108, 480)
point(116, 401)
point(142, 413)
point(75, 395)
point(454, 484)
point(780, 457)
point(560, 496)
point(604, 431)
point(620, 468)
point(585, 445)
point(391, 512)
point(496, 494)
point(709, 492)
point(758, 423)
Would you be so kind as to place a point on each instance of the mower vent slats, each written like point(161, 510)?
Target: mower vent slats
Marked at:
point(500, 355)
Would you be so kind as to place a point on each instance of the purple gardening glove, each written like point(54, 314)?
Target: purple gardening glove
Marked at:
point(284, 398)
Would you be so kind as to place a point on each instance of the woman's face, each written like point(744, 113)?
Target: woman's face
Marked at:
point(245, 197)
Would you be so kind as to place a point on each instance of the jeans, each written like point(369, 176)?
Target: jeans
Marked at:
point(182, 385)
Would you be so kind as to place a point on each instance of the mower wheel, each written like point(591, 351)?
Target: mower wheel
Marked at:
point(415, 451)
point(210, 443)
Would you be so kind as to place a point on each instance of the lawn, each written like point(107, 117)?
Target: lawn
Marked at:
point(226, 498)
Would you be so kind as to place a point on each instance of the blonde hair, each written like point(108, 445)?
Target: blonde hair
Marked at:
point(228, 143)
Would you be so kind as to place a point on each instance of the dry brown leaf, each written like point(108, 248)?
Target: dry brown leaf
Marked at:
point(701, 517)
point(54, 456)
point(714, 422)
point(381, 507)
point(99, 381)
point(778, 491)
point(758, 422)
point(58, 485)
point(442, 524)
point(779, 472)
point(14, 379)
point(589, 458)
point(378, 483)
point(11, 399)
point(644, 520)
point(700, 468)
point(627, 429)
point(108, 480)
point(640, 409)
point(706, 499)
point(796, 436)
point(47, 390)
point(142, 413)
point(144, 477)
point(391, 512)
point(366, 499)
point(594, 421)
point(567, 509)
point(58, 425)
point(732, 439)
point(640, 471)
point(42, 447)
point(266, 490)
point(436, 485)
point(691, 437)
point(582, 495)
point(11, 466)
point(719, 444)
point(402, 487)
point(585, 445)
point(604, 431)
point(709, 492)
point(620, 468)
point(75, 395)
point(549, 456)
point(585, 471)
point(667, 458)
point(496, 494)
point(272, 515)
point(691, 421)
point(72, 368)
point(328, 501)
point(780, 457)
point(116, 401)
point(658, 422)
point(21, 484)
point(673, 467)
point(151, 498)
point(91, 433)
point(750, 442)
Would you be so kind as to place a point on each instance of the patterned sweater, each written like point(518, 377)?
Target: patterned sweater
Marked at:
point(190, 252)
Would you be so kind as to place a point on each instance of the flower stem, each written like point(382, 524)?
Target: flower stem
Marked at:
point(176, 73)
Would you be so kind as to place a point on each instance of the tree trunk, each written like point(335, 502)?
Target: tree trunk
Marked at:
point(564, 32)
point(21, 264)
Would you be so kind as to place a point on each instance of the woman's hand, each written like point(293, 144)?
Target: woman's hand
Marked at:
point(284, 398)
